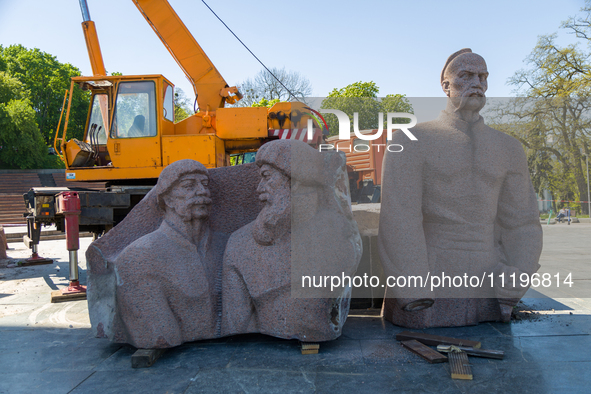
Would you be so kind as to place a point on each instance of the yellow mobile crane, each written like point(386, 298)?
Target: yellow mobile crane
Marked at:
point(130, 134)
point(130, 131)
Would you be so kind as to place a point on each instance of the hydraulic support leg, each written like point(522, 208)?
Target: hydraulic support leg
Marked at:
point(32, 241)
point(68, 203)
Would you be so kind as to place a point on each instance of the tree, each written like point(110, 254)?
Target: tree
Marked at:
point(266, 103)
point(357, 89)
point(361, 97)
point(551, 131)
point(182, 105)
point(46, 79)
point(265, 86)
point(397, 103)
point(11, 88)
point(21, 144)
point(554, 121)
point(580, 25)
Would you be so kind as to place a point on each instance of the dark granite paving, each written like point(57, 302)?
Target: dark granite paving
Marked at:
point(548, 355)
point(49, 348)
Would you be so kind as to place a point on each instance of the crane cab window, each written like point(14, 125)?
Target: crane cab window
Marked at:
point(135, 110)
point(168, 103)
point(361, 145)
point(97, 133)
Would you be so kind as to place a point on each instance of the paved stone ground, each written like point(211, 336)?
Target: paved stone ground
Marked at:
point(49, 348)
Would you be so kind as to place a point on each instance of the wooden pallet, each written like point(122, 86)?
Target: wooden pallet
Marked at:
point(39, 261)
point(310, 348)
point(58, 296)
point(144, 358)
point(424, 351)
point(434, 340)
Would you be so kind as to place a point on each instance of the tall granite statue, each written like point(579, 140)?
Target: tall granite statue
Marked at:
point(304, 229)
point(155, 280)
point(458, 201)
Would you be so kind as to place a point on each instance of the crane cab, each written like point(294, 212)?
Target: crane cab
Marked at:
point(130, 132)
point(127, 117)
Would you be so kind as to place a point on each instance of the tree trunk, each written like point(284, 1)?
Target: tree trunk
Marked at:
point(581, 185)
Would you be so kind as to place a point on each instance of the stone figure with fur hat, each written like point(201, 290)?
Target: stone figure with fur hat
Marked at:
point(457, 202)
point(304, 229)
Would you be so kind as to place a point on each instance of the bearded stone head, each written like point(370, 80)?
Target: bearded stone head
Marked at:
point(464, 80)
point(292, 173)
point(274, 192)
point(182, 190)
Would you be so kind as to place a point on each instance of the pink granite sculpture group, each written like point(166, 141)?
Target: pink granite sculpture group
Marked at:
point(168, 274)
point(457, 202)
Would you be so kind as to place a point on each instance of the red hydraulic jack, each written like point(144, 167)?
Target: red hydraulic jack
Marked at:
point(68, 203)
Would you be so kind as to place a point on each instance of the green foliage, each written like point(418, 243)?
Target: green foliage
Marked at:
point(242, 158)
point(366, 107)
point(361, 97)
point(52, 161)
point(555, 122)
point(46, 79)
point(266, 103)
point(21, 143)
point(397, 103)
point(553, 132)
point(11, 88)
point(182, 105)
point(562, 184)
point(357, 89)
point(533, 137)
point(180, 113)
point(554, 71)
point(78, 113)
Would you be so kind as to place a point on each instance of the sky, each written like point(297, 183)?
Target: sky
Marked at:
point(400, 45)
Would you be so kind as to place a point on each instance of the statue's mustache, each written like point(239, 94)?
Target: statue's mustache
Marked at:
point(475, 92)
point(200, 201)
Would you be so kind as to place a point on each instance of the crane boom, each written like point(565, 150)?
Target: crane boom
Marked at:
point(92, 43)
point(205, 78)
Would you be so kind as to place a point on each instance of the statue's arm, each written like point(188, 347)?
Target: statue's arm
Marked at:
point(518, 217)
point(401, 239)
point(142, 303)
point(238, 313)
